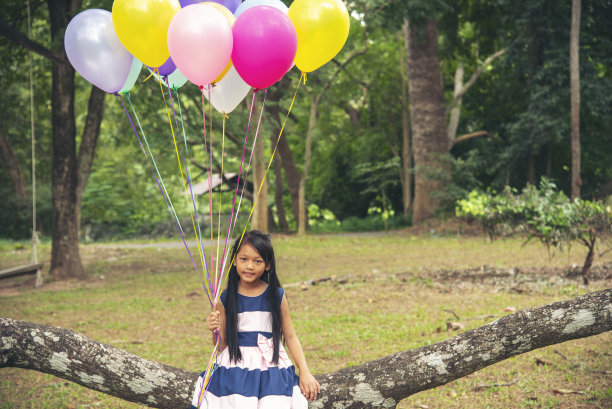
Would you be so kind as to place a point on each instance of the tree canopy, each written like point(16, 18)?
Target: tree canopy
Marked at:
point(519, 104)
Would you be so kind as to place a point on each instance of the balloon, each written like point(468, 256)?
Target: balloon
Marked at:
point(322, 28)
point(176, 79)
point(252, 3)
point(200, 42)
point(132, 76)
point(95, 52)
point(227, 93)
point(264, 45)
point(166, 68)
point(231, 5)
point(142, 26)
point(230, 20)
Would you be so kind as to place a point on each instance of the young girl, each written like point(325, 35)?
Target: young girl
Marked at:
point(254, 370)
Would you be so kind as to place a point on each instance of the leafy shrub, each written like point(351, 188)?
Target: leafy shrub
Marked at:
point(544, 213)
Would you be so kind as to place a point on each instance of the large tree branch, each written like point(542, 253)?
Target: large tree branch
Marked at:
point(377, 384)
point(458, 95)
point(20, 39)
point(342, 67)
point(89, 140)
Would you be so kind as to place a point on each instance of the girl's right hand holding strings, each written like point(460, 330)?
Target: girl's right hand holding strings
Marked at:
point(213, 320)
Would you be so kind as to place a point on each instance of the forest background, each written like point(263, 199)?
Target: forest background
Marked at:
point(499, 116)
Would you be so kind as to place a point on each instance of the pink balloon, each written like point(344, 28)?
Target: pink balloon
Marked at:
point(200, 42)
point(265, 43)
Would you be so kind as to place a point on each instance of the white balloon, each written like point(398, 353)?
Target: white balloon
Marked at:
point(229, 92)
point(253, 3)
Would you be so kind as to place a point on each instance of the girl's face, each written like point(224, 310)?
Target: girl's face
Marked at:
point(249, 264)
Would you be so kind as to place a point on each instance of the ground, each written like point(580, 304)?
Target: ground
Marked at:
point(353, 298)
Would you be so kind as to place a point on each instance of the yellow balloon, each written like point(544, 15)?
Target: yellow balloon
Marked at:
point(322, 28)
point(230, 19)
point(142, 27)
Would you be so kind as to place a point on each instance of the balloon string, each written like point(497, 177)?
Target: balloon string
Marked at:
point(208, 170)
point(220, 195)
point(248, 168)
point(302, 78)
point(150, 75)
point(210, 189)
point(209, 371)
point(155, 176)
point(166, 195)
point(195, 212)
point(165, 191)
point(194, 216)
point(198, 233)
point(172, 131)
point(246, 137)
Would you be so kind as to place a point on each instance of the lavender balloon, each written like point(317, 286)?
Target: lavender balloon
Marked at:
point(231, 5)
point(95, 52)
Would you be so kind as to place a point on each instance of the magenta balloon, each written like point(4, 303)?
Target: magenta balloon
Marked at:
point(200, 42)
point(231, 5)
point(95, 52)
point(265, 43)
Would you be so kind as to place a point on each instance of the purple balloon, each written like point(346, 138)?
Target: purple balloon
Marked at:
point(95, 52)
point(231, 5)
point(167, 68)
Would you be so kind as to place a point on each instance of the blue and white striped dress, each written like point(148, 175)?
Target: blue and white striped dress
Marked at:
point(254, 382)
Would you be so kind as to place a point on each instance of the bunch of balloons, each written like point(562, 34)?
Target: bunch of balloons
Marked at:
point(231, 44)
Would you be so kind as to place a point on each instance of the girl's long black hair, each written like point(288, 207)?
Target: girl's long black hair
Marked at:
point(263, 245)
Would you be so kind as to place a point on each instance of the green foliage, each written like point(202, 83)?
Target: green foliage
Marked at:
point(376, 220)
point(521, 98)
point(122, 198)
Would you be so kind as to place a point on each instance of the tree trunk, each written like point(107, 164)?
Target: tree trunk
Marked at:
point(260, 212)
point(459, 91)
point(575, 97)
point(531, 173)
point(11, 166)
point(406, 151)
point(67, 183)
point(376, 384)
point(278, 190)
point(65, 256)
point(312, 123)
point(455, 111)
point(588, 262)
point(427, 118)
point(91, 131)
point(292, 175)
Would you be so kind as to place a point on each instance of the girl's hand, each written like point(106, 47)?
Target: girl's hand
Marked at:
point(213, 320)
point(309, 386)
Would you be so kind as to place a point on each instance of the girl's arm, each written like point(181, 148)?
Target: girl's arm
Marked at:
point(216, 320)
point(308, 384)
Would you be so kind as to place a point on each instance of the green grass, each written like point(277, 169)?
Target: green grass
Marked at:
point(151, 303)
